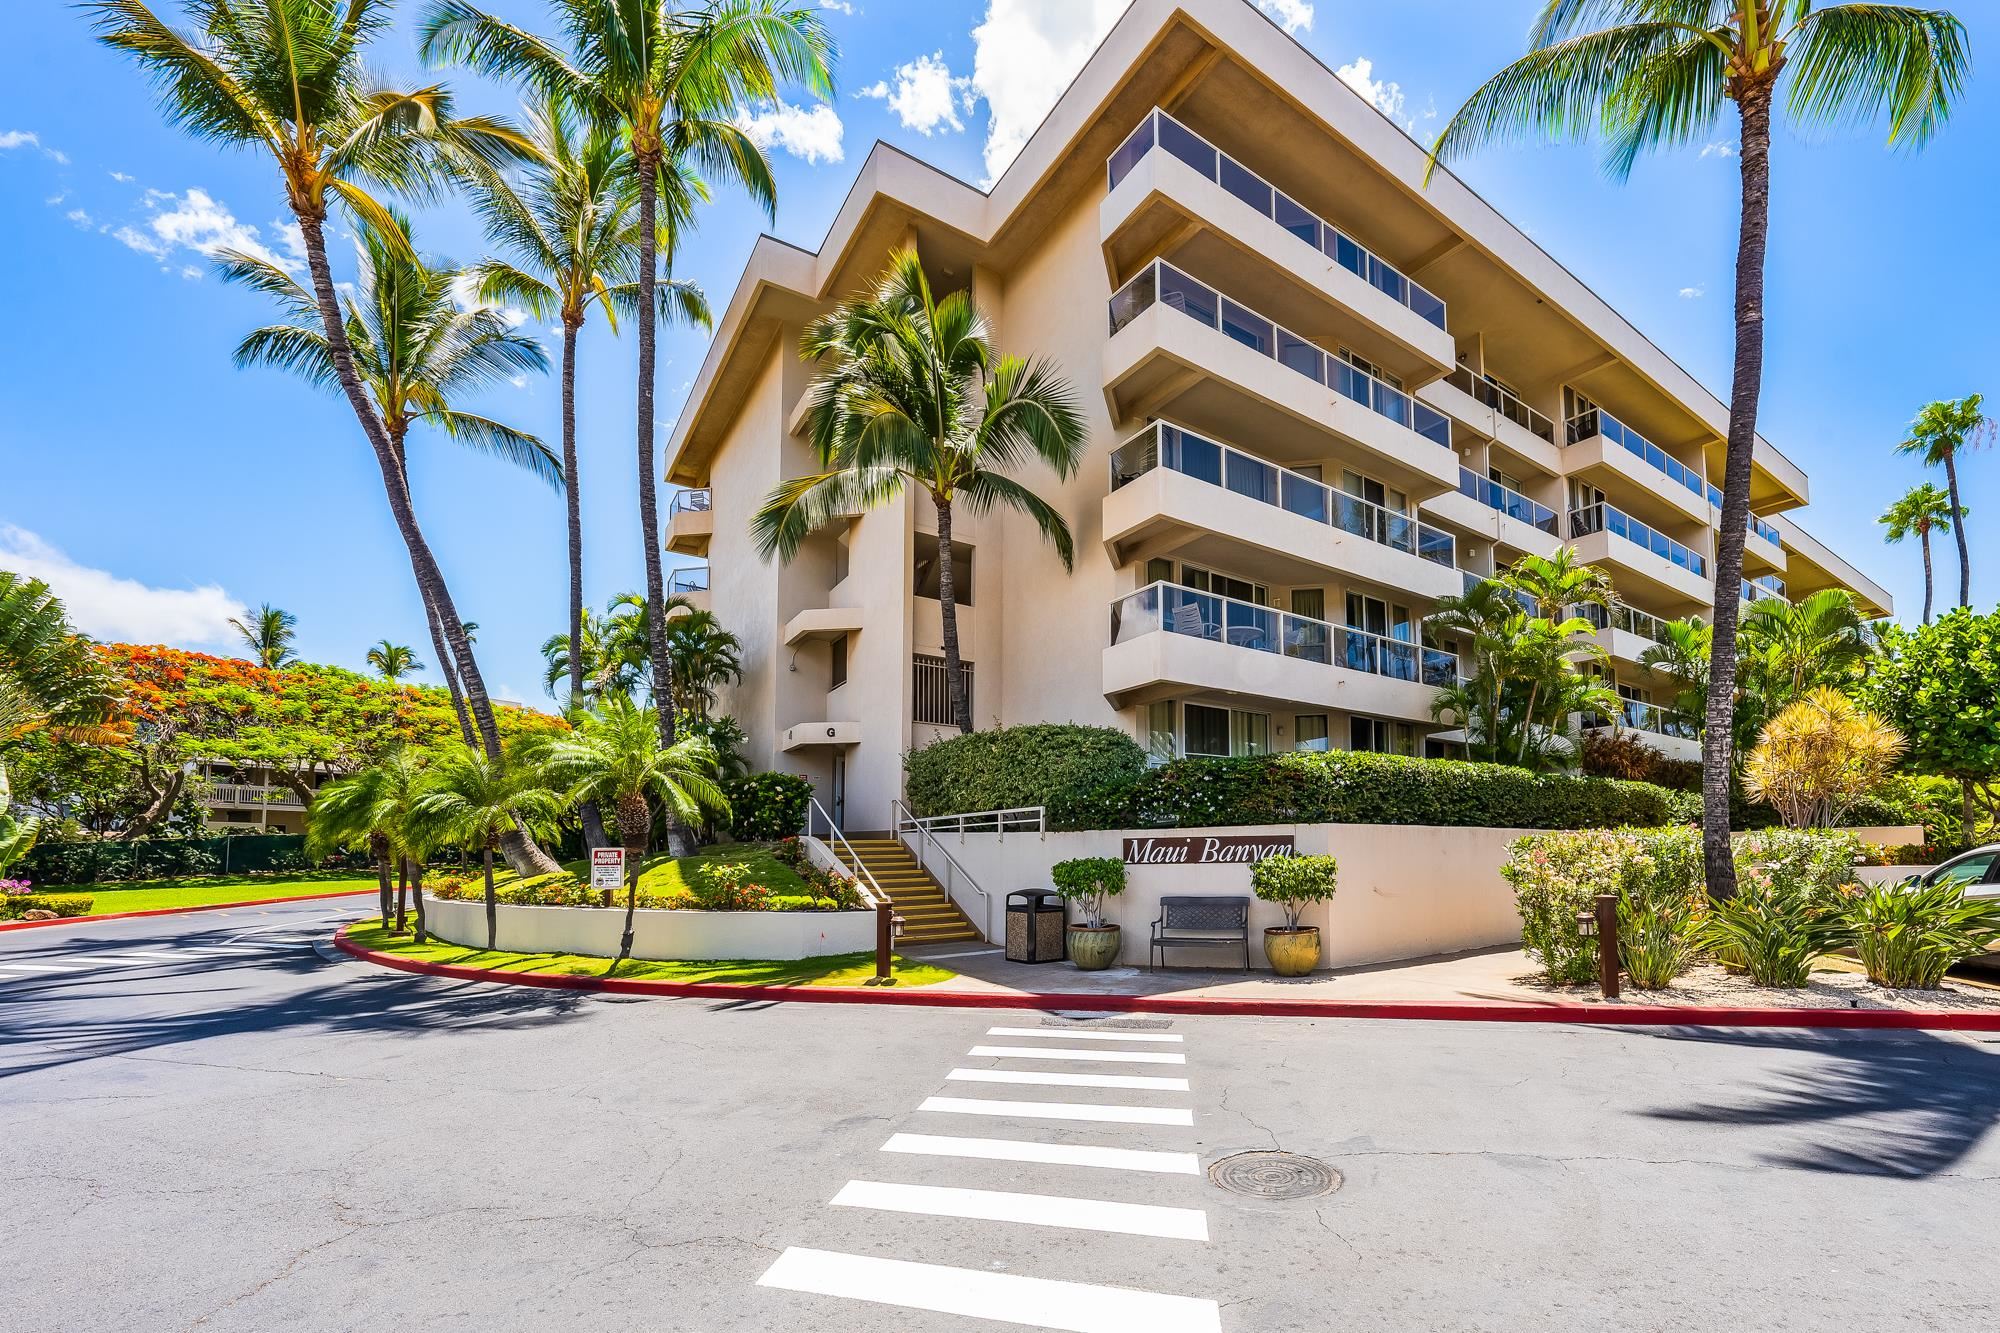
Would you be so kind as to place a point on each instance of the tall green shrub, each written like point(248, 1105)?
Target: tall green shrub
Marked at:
point(1656, 876)
point(1058, 765)
point(1090, 882)
point(767, 806)
point(1294, 881)
point(1908, 936)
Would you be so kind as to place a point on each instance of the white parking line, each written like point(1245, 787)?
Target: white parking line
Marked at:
point(1110, 1115)
point(1072, 1034)
point(1052, 1154)
point(1048, 1080)
point(1074, 1307)
point(131, 957)
point(1062, 1053)
point(1039, 1210)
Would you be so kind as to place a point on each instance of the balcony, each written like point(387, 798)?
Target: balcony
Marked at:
point(1282, 526)
point(1160, 130)
point(1489, 410)
point(690, 522)
point(242, 795)
point(690, 583)
point(1662, 568)
point(1596, 439)
point(1768, 588)
point(1164, 636)
point(1164, 316)
point(1623, 631)
point(1672, 734)
point(1764, 549)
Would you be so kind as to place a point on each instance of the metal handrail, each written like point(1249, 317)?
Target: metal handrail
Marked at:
point(872, 894)
point(1014, 819)
point(901, 820)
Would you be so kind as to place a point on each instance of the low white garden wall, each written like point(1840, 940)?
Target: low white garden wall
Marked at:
point(695, 936)
point(1406, 891)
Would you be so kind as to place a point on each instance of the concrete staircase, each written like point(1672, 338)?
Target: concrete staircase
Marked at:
point(929, 915)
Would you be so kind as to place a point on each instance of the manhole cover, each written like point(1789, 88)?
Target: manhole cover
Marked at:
point(1274, 1175)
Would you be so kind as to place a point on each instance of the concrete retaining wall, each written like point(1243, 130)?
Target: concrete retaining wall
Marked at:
point(695, 936)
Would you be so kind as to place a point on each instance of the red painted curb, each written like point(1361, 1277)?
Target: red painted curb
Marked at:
point(1465, 1011)
point(176, 911)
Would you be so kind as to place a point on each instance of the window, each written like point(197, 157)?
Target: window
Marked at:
point(837, 676)
point(1310, 732)
point(1159, 571)
point(1309, 602)
point(1378, 736)
point(1249, 733)
point(1367, 367)
point(1378, 617)
point(1222, 585)
point(1502, 385)
point(1207, 730)
point(1967, 870)
point(932, 702)
point(1160, 732)
point(1507, 479)
point(1373, 491)
point(927, 569)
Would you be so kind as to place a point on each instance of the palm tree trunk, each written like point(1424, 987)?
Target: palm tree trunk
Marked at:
point(379, 846)
point(417, 898)
point(1958, 531)
point(961, 707)
point(1925, 538)
point(635, 828)
point(1753, 233)
point(573, 503)
point(430, 579)
point(492, 899)
point(439, 647)
point(402, 892)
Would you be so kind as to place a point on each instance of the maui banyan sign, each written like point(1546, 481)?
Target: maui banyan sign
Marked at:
point(1227, 851)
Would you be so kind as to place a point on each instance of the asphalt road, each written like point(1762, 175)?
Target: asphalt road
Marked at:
point(206, 1124)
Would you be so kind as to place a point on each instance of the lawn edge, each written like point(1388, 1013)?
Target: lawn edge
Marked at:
point(176, 911)
point(1473, 1011)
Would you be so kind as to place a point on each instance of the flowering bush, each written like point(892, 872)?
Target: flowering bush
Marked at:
point(1556, 876)
point(763, 806)
point(1817, 864)
point(791, 853)
point(12, 886)
point(728, 888)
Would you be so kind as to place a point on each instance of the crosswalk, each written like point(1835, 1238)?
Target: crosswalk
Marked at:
point(1103, 1151)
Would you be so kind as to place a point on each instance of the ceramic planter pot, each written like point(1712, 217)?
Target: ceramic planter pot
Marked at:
point(1093, 948)
point(1293, 953)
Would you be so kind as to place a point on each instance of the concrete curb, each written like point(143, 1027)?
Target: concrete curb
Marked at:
point(176, 911)
point(1463, 1011)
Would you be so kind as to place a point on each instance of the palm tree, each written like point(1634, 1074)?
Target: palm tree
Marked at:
point(1937, 436)
point(571, 224)
point(372, 808)
point(672, 80)
point(1680, 655)
point(1557, 582)
point(914, 395)
point(268, 632)
point(1790, 648)
point(614, 757)
point(1925, 510)
point(472, 801)
point(1648, 74)
point(393, 661)
point(704, 655)
point(289, 77)
point(416, 352)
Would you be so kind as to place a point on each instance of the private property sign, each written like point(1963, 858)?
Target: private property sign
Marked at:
point(1230, 851)
point(607, 867)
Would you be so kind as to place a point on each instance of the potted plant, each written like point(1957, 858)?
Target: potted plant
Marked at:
point(1292, 882)
point(1089, 881)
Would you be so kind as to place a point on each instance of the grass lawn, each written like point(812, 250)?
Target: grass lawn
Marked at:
point(849, 969)
point(145, 895)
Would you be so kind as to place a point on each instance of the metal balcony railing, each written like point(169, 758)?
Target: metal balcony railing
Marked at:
point(1503, 402)
point(690, 502)
point(1599, 422)
point(1604, 518)
point(1509, 502)
point(692, 578)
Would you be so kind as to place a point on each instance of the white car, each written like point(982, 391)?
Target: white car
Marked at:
point(1978, 870)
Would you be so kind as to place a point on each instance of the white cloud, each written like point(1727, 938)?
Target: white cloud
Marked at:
point(1358, 74)
point(121, 177)
point(1720, 148)
point(19, 139)
point(465, 295)
point(1290, 14)
point(925, 95)
point(1691, 293)
point(196, 222)
point(838, 7)
point(1024, 54)
point(106, 606)
point(812, 133)
point(190, 273)
point(79, 217)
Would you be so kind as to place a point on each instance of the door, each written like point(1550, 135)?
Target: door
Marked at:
point(839, 791)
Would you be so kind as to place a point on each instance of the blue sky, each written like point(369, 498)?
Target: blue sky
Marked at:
point(161, 489)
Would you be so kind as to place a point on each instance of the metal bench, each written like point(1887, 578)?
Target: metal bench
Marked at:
point(1204, 922)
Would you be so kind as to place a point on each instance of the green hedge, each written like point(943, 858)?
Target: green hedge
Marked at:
point(102, 861)
point(14, 906)
point(1058, 765)
point(1341, 787)
point(764, 807)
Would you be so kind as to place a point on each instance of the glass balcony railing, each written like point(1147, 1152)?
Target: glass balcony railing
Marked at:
point(1599, 422)
point(692, 578)
point(1168, 608)
point(1759, 528)
point(1506, 404)
point(1604, 518)
point(1160, 283)
point(1766, 588)
point(1511, 503)
point(1659, 721)
point(1622, 617)
point(690, 502)
point(1166, 446)
point(1160, 130)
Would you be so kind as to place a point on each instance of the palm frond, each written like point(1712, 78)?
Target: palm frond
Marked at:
point(1851, 63)
point(987, 489)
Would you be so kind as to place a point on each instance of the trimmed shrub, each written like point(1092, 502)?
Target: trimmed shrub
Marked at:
point(1816, 865)
point(1293, 881)
point(728, 888)
point(1908, 935)
point(1090, 882)
point(766, 806)
point(1660, 911)
point(1343, 787)
point(1065, 767)
point(15, 906)
point(1557, 876)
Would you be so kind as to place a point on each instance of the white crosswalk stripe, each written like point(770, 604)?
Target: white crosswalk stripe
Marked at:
point(1044, 1162)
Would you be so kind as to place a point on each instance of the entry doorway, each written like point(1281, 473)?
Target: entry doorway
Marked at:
point(838, 803)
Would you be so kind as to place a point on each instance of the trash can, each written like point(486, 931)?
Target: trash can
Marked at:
point(1037, 927)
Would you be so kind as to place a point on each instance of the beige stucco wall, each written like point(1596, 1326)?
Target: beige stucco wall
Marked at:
point(1405, 891)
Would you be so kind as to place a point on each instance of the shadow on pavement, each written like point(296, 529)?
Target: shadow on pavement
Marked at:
point(63, 1019)
point(1922, 1101)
